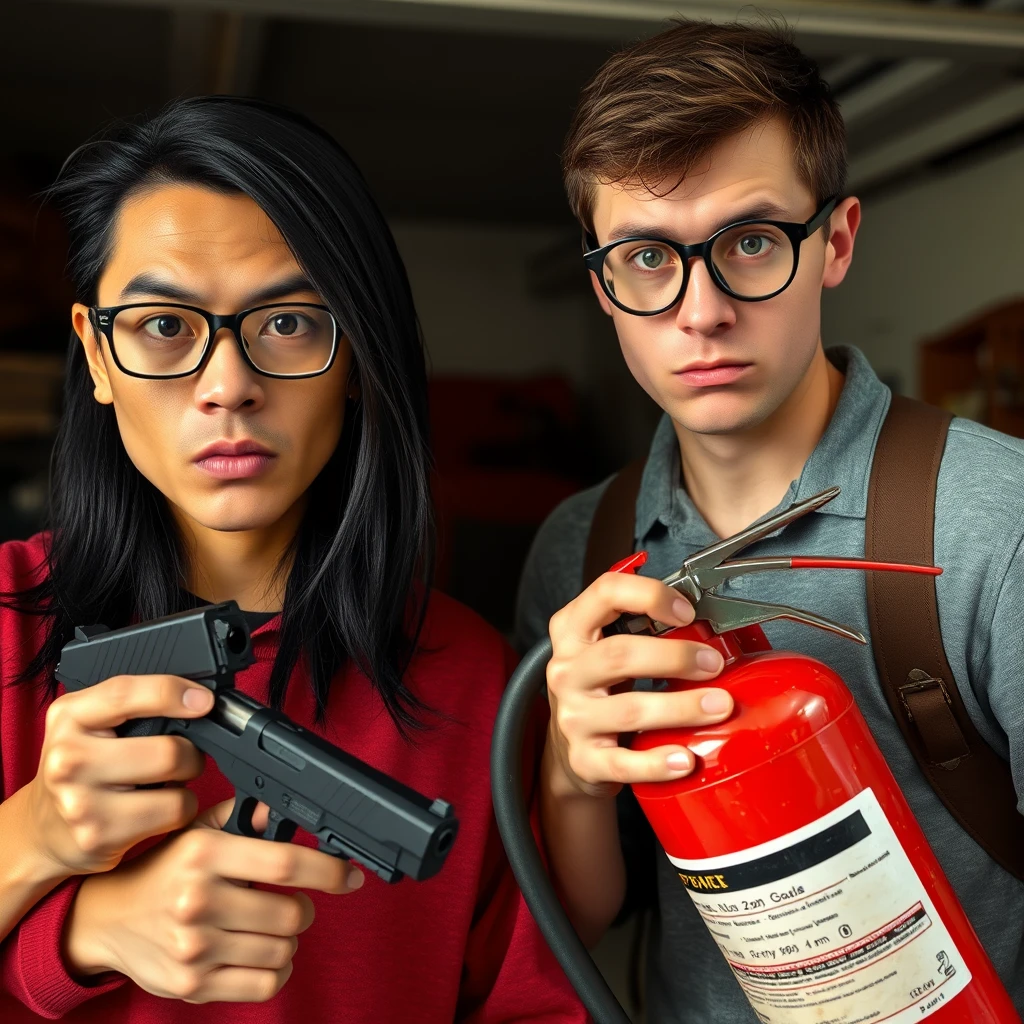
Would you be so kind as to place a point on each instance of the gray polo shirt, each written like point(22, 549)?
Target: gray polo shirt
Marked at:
point(979, 525)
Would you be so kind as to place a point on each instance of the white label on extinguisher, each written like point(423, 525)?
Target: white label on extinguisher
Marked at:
point(829, 924)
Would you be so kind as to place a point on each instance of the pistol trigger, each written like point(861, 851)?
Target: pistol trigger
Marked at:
point(279, 828)
point(240, 822)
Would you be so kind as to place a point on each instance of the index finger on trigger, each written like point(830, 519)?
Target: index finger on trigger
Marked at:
point(611, 595)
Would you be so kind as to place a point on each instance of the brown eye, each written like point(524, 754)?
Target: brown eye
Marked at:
point(286, 324)
point(166, 326)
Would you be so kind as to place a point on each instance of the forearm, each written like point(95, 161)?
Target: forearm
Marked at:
point(26, 874)
point(581, 837)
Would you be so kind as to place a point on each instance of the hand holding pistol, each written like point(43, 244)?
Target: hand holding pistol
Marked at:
point(354, 810)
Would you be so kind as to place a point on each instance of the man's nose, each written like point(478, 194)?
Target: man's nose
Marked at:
point(704, 308)
point(226, 380)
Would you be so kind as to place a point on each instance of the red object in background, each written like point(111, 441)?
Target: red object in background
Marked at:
point(805, 861)
point(493, 442)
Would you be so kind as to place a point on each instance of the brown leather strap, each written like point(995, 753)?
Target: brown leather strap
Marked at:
point(970, 778)
point(611, 531)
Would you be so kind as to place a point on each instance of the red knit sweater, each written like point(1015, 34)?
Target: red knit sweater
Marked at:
point(460, 946)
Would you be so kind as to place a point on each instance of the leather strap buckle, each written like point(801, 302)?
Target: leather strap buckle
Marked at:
point(920, 681)
point(928, 707)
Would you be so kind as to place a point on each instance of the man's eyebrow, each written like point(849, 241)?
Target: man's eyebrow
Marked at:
point(149, 285)
point(633, 229)
point(765, 210)
point(280, 290)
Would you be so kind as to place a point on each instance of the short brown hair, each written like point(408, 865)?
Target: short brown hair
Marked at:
point(654, 109)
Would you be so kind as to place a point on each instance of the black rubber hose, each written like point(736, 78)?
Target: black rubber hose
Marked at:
point(514, 826)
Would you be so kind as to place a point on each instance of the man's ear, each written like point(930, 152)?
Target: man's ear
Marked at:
point(89, 337)
point(844, 222)
point(599, 292)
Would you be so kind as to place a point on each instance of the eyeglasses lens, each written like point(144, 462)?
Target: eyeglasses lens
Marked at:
point(754, 260)
point(289, 340)
point(164, 341)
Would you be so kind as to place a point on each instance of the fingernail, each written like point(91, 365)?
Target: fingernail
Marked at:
point(679, 761)
point(682, 609)
point(197, 698)
point(714, 702)
point(709, 660)
point(355, 878)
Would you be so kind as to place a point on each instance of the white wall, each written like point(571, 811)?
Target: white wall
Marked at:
point(478, 314)
point(928, 257)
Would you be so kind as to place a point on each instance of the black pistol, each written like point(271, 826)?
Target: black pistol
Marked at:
point(354, 810)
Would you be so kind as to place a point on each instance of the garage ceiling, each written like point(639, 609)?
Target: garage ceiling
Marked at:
point(456, 109)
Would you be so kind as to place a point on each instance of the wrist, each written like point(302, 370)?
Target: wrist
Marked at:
point(27, 860)
point(82, 944)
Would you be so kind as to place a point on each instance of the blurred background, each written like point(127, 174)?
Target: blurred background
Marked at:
point(455, 110)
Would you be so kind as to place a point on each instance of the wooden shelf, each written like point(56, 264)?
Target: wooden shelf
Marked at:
point(976, 370)
point(30, 387)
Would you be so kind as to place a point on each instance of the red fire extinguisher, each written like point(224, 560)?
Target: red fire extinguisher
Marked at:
point(791, 835)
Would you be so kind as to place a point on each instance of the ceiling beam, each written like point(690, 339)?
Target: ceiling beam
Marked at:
point(906, 77)
point(875, 27)
point(966, 124)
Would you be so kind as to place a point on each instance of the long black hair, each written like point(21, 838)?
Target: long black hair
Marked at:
point(362, 558)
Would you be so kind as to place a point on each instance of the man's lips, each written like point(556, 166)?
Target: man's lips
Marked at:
point(706, 375)
point(234, 460)
point(232, 449)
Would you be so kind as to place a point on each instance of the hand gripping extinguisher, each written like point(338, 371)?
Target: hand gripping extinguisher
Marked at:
point(791, 835)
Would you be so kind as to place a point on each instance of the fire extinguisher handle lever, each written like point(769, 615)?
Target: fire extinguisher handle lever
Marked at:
point(704, 571)
point(726, 613)
point(705, 566)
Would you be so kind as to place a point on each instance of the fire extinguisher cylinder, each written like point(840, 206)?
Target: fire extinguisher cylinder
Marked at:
point(803, 857)
point(791, 835)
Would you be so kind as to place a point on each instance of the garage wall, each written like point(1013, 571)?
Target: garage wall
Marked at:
point(928, 257)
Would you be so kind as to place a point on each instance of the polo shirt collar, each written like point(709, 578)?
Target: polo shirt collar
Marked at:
point(842, 457)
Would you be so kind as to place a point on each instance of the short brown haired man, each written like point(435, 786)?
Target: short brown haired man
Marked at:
point(674, 141)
